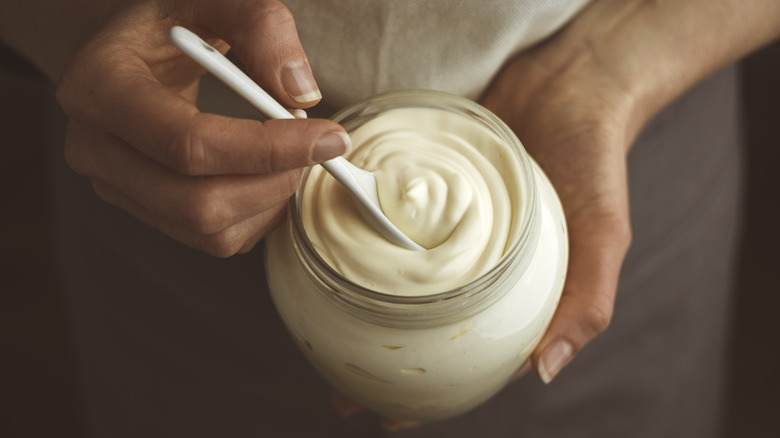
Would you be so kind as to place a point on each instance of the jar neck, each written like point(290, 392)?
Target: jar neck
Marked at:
point(439, 308)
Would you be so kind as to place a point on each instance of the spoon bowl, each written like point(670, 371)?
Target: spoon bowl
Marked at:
point(360, 183)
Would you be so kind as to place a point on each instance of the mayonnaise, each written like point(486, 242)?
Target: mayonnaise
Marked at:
point(429, 334)
point(443, 180)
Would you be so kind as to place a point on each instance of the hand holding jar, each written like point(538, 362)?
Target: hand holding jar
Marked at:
point(577, 101)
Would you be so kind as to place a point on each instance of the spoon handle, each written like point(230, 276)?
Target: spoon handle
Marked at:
point(360, 183)
point(218, 65)
point(221, 67)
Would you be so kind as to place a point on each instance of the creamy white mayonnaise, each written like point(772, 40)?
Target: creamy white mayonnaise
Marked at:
point(455, 187)
point(444, 180)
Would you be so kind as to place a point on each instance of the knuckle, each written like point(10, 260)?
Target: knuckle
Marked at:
point(615, 225)
point(205, 209)
point(101, 190)
point(623, 234)
point(276, 13)
point(287, 144)
point(73, 151)
point(598, 316)
point(248, 244)
point(223, 244)
point(290, 182)
point(186, 149)
point(265, 155)
point(72, 158)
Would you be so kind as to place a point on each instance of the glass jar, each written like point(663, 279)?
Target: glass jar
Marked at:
point(434, 356)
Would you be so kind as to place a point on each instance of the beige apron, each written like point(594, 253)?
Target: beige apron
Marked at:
point(358, 48)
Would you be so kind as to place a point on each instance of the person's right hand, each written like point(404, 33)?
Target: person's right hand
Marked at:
point(215, 183)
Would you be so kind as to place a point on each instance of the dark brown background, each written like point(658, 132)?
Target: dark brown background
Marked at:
point(39, 398)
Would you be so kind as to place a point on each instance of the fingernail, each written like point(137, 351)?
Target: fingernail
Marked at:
point(393, 424)
point(298, 81)
point(345, 407)
point(522, 370)
point(331, 145)
point(299, 114)
point(554, 358)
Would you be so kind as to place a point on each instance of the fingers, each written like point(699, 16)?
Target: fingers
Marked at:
point(168, 128)
point(598, 244)
point(237, 238)
point(347, 408)
point(221, 215)
point(264, 36)
point(522, 371)
point(343, 405)
point(213, 182)
point(114, 83)
point(394, 424)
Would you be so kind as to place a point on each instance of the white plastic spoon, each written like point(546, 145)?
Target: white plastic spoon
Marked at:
point(360, 183)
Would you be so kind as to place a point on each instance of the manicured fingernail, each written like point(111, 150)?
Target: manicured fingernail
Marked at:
point(298, 81)
point(330, 145)
point(299, 114)
point(554, 358)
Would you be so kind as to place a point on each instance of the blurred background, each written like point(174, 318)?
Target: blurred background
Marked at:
point(38, 394)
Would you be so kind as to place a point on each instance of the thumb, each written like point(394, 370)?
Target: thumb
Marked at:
point(597, 248)
point(264, 37)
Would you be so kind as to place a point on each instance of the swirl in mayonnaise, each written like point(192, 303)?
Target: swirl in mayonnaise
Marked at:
point(445, 180)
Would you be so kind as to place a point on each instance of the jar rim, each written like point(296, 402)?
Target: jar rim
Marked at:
point(355, 295)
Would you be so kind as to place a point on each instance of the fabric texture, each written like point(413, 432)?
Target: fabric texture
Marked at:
point(172, 342)
point(358, 48)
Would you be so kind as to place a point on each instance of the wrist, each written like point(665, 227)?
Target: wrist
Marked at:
point(611, 98)
point(656, 51)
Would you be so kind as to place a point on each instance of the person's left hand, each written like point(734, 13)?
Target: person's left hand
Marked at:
point(578, 129)
point(578, 125)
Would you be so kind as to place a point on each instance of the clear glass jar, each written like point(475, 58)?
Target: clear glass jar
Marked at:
point(434, 356)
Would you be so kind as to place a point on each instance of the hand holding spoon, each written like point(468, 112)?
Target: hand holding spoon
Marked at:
point(360, 183)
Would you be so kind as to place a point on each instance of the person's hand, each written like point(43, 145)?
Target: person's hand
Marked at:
point(346, 408)
point(577, 102)
point(578, 129)
point(215, 183)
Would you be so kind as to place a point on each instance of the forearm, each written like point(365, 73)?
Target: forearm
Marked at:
point(649, 52)
point(49, 32)
point(668, 46)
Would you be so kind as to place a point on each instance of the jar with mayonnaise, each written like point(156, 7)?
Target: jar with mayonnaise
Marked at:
point(422, 335)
